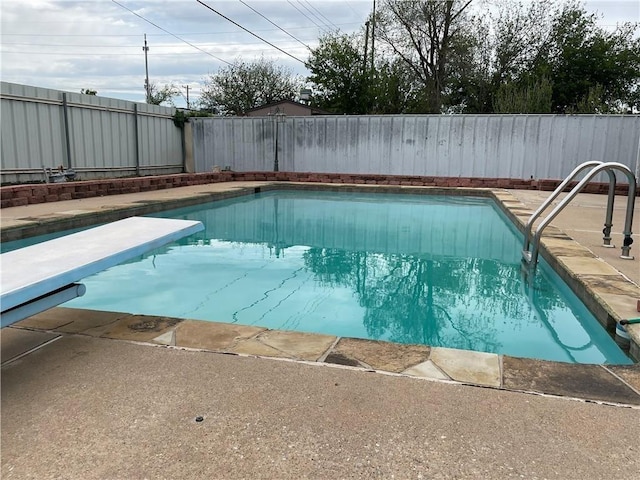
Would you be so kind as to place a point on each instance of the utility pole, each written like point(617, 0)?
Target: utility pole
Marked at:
point(366, 44)
point(188, 106)
point(373, 35)
point(147, 87)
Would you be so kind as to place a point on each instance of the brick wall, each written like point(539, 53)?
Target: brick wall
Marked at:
point(17, 195)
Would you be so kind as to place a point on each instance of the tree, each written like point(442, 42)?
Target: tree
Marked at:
point(158, 96)
point(88, 91)
point(588, 65)
point(593, 102)
point(395, 89)
point(245, 85)
point(520, 33)
point(543, 57)
point(437, 56)
point(338, 74)
point(429, 37)
point(535, 97)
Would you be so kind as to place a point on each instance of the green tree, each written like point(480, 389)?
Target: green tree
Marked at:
point(394, 89)
point(520, 32)
point(504, 43)
point(429, 37)
point(338, 74)
point(159, 95)
point(593, 102)
point(242, 86)
point(518, 57)
point(534, 97)
point(582, 59)
point(546, 57)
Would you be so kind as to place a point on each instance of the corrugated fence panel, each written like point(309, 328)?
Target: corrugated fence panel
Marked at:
point(495, 146)
point(102, 135)
point(242, 144)
point(161, 141)
point(32, 133)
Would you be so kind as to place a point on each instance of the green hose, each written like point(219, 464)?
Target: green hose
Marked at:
point(630, 321)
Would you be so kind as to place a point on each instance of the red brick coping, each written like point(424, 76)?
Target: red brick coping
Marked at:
point(17, 195)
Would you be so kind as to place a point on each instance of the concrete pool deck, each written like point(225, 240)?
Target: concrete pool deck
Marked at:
point(106, 395)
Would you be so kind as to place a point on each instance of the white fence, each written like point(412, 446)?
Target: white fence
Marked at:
point(95, 136)
point(489, 146)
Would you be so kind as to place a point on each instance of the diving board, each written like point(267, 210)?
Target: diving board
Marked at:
point(44, 275)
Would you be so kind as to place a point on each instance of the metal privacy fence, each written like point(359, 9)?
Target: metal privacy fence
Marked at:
point(105, 138)
point(490, 146)
point(95, 136)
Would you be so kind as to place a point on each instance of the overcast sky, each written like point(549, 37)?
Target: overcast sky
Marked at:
point(97, 44)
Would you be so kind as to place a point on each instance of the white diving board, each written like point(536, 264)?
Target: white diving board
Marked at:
point(42, 276)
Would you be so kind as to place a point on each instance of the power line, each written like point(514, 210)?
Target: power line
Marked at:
point(304, 14)
point(233, 46)
point(173, 35)
point(84, 54)
point(352, 9)
point(296, 39)
point(248, 31)
point(112, 47)
point(3, 33)
point(329, 22)
point(314, 15)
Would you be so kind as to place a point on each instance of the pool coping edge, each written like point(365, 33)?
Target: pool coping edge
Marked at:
point(606, 314)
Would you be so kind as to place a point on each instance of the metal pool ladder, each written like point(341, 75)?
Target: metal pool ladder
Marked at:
point(531, 244)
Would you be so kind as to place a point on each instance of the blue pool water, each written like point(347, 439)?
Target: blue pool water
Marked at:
point(440, 271)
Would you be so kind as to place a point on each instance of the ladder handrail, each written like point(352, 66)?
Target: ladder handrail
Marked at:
point(577, 189)
point(534, 216)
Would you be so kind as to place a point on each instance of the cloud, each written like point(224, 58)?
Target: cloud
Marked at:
point(614, 12)
point(70, 45)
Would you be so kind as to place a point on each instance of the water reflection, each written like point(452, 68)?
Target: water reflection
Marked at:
point(440, 271)
point(408, 299)
point(425, 270)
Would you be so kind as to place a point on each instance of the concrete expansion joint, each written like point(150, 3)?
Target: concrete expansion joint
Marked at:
point(36, 329)
point(326, 353)
point(252, 337)
point(567, 398)
point(628, 279)
point(31, 350)
point(263, 339)
point(428, 370)
point(620, 379)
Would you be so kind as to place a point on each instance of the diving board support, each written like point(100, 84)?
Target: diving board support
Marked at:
point(46, 273)
point(43, 303)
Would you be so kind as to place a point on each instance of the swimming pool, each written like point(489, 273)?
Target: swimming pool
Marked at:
point(441, 271)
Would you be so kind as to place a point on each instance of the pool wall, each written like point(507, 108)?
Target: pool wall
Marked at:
point(599, 286)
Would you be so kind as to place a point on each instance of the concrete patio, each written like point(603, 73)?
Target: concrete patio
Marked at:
point(105, 395)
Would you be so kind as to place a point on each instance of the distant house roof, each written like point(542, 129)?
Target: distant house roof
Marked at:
point(287, 107)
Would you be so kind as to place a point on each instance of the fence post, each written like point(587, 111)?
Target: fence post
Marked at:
point(279, 118)
point(183, 144)
point(67, 138)
point(637, 172)
point(137, 138)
